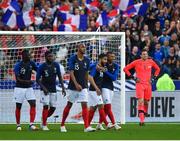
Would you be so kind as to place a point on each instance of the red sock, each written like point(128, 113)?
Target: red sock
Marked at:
point(141, 112)
point(50, 112)
point(109, 112)
point(103, 116)
point(85, 116)
point(141, 117)
point(105, 112)
point(18, 115)
point(146, 108)
point(91, 114)
point(65, 114)
point(44, 116)
point(32, 114)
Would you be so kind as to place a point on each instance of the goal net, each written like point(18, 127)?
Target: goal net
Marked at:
point(63, 45)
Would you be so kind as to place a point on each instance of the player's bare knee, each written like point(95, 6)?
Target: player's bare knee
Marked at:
point(69, 104)
point(53, 108)
point(18, 105)
point(100, 106)
point(32, 103)
point(93, 108)
point(84, 104)
point(45, 106)
point(141, 101)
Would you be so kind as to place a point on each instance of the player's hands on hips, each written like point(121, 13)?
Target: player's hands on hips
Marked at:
point(78, 87)
point(137, 80)
point(98, 91)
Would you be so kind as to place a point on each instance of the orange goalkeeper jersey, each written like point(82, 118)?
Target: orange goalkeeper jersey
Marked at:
point(143, 69)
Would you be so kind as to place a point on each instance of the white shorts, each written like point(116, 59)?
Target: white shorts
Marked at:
point(23, 93)
point(107, 95)
point(77, 96)
point(50, 99)
point(94, 99)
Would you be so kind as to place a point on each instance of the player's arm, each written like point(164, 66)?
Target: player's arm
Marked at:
point(113, 75)
point(17, 74)
point(91, 79)
point(60, 79)
point(71, 69)
point(128, 68)
point(157, 69)
point(38, 80)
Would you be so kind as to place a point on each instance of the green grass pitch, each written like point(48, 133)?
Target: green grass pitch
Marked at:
point(129, 131)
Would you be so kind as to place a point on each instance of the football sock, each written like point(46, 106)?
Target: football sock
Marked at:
point(91, 114)
point(141, 113)
point(18, 115)
point(102, 116)
point(51, 111)
point(85, 116)
point(44, 116)
point(108, 111)
point(65, 114)
point(32, 114)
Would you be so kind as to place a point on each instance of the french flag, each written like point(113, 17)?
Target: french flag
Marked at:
point(115, 3)
point(64, 8)
point(124, 4)
point(92, 5)
point(102, 19)
point(25, 19)
point(67, 27)
point(137, 9)
point(9, 16)
point(80, 21)
point(4, 4)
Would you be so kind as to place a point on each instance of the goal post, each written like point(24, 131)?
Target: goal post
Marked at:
point(63, 45)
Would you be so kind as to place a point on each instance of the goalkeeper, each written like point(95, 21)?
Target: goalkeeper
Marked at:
point(144, 78)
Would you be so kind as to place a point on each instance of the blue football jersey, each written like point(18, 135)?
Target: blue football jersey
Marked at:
point(47, 74)
point(97, 76)
point(80, 69)
point(110, 75)
point(24, 72)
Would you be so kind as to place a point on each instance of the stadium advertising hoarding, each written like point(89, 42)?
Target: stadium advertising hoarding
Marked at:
point(164, 107)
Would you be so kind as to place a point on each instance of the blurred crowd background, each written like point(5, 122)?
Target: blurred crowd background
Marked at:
point(158, 30)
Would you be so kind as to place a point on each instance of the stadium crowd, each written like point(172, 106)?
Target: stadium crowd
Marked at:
point(158, 30)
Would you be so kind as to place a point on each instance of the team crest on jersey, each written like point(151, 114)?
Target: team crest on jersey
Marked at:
point(85, 65)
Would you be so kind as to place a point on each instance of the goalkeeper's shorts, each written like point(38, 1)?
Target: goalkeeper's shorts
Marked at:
point(143, 91)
